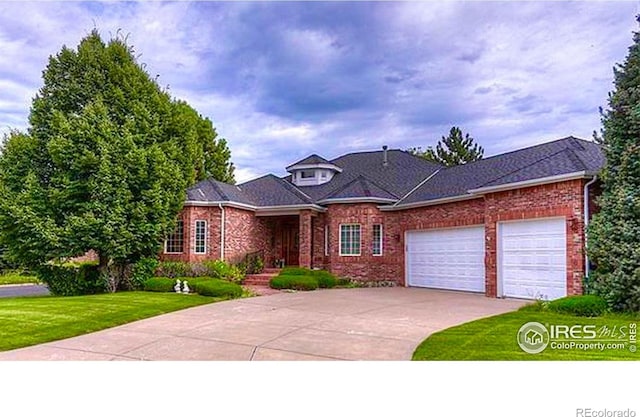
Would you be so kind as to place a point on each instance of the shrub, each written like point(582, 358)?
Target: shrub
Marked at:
point(325, 279)
point(580, 305)
point(141, 271)
point(174, 269)
point(222, 270)
point(72, 278)
point(294, 270)
point(159, 284)
point(252, 263)
point(294, 282)
point(217, 288)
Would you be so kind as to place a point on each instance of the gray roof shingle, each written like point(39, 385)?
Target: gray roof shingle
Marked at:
point(365, 176)
point(310, 160)
point(274, 191)
point(562, 156)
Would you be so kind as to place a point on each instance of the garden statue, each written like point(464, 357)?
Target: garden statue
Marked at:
point(176, 287)
point(185, 287)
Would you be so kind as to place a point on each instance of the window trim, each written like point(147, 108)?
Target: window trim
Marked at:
point(326, 240)
point(307, 171)
point(195, 238)
point(359, 243)
point(380, 239)
point(166, 240)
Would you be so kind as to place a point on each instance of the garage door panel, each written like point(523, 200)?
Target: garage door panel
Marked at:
point(533, 258)
point(446, 259)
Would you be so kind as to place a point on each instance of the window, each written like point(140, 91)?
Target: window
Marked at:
point(326, 240)
point(349, 239)
point(377, 239)
point(201, 237)
point(175, 241)
point(323, 174)
point(307, 174)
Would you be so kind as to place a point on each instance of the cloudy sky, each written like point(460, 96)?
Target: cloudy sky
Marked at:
point(281, 80)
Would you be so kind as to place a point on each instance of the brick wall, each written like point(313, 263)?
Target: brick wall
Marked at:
point(189, 215)
point(244, 233)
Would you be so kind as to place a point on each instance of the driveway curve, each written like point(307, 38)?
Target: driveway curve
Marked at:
point(342, 324)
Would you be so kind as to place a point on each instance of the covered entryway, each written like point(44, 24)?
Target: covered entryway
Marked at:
point(451, 259)
point(532, 257)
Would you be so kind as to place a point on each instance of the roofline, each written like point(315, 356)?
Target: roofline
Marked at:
point(196, 203)
point(255, 208)
point(529, 183)
point(435, 202)
point(347, 200)
point(321, 165)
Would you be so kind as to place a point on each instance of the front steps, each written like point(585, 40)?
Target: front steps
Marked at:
point(262, 279)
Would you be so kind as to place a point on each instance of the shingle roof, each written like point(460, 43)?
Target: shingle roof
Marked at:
point(274, 191)
point(562, 156)
point(310, 160)
point(365, 176)
point(361, 187)
point(212, 190)
point(401, 174)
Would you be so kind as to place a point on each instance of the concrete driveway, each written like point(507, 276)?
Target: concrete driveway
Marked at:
point(343, 324)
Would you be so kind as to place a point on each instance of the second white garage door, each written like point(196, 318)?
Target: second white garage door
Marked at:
point(451, 259)
point(533, 258)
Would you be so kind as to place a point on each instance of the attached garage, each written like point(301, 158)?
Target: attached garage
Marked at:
point(451, 259)
point(532, 257)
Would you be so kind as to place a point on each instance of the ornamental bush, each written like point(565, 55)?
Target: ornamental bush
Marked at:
point(217, 288)
point(579, 305)
point(72, 278)
point(294, 282)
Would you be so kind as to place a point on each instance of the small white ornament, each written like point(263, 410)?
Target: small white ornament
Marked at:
point(185, 287)
point(176, 287)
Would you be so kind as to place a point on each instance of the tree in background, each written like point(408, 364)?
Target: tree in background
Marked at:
point(105, 163)
point(454, 149)
point(614, 233)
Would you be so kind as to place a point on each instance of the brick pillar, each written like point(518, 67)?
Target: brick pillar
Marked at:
point(304, 258)
point(490, 258)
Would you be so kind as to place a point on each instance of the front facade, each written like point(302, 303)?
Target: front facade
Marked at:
point(507, 226)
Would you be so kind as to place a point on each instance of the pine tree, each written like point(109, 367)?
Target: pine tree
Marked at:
point(454, 149)
point(614, 233)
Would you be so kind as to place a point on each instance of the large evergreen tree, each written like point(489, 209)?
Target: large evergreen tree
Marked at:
point(455, 149)
point(614, 233)
point(105, 163)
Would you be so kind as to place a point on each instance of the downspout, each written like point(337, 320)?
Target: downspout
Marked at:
point(586, 222)
point(221, 231)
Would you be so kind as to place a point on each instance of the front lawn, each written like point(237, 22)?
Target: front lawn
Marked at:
point(32, 320)
point(494, 338)
point(16, 278)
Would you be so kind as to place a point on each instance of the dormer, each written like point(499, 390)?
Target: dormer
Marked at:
point(312, 170)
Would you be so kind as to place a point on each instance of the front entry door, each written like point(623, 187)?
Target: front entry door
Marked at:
point(290, 250)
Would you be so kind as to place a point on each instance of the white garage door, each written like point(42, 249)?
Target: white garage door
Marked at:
point(533, 258)
point(451, 259)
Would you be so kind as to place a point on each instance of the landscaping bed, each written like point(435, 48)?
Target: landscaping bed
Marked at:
point(35, 320)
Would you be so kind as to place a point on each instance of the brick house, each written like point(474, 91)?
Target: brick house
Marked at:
point(510, 225)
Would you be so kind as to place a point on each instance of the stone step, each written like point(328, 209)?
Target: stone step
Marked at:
point(271, 270)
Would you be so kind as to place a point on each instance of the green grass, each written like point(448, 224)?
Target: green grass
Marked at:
point(494, 338)
point(28, 321)
point(16, 278)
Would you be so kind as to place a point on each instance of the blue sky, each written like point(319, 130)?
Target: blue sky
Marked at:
point(281, 80)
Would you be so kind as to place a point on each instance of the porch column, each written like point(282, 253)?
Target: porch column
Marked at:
point(304, 257)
